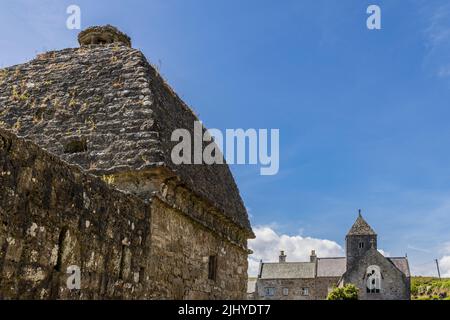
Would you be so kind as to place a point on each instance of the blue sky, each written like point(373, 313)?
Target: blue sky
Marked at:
point(363, 115)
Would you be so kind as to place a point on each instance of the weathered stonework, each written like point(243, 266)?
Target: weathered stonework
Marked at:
point(376, 277)
point(93, 184)
point(311, 280)
point(103, 35)
point(294, 289)
point(395, 285)
point(180, 252)
point(393, 281)
point(53, 215)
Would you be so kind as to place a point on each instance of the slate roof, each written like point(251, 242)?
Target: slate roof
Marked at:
point(331, 267)
point(326, 267)
point(113, 103)
point(361, 227)
point(401, 264)
point(288, 270)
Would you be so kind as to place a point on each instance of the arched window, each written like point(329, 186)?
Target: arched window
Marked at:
point(373, 279)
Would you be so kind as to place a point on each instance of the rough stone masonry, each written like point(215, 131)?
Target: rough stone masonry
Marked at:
point(86, 179)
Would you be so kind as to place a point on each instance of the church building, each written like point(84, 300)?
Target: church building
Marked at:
point(376, 277)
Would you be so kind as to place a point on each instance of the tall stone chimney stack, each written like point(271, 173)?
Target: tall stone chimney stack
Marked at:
point(313, 257)
point(282, 257)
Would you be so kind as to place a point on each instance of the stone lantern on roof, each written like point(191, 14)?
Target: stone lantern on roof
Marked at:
point(98, 35)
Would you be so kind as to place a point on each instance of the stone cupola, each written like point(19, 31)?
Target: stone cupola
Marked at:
point(103, 35)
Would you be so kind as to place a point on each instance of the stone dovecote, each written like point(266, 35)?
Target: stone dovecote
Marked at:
point(102, 111)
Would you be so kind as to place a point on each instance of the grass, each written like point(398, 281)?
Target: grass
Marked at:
point(429, 288)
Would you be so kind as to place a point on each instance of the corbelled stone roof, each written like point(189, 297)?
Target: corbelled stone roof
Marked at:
point(331, 267)
point(360, 227)
point(288, 270)
point(105, 108)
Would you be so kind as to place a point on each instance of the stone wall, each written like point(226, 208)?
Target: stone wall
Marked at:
point(294, 287)
point(181, 251)
point(53, 215)
point(318, 288)
point(353, 250)
point(394, 284)
point(324, 285)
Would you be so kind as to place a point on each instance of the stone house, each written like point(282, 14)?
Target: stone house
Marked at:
point(376, 277)
point(86, 179)
point(310, 280)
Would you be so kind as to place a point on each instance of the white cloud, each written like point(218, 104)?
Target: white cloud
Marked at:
point(269, 243)
point(446, 248)
point(444, 264)
point(429, 268)
point(437, 36)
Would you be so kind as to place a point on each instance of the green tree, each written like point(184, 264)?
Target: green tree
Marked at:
point(348, 292)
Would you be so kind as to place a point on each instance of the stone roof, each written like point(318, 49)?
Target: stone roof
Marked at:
point(402, 264)
point(105, 34)
point(326, 267)
point(331, 267)
point(106, 109)
point(360, 227)
point(288, 270)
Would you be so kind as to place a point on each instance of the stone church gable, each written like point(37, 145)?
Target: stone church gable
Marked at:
point(394, 283)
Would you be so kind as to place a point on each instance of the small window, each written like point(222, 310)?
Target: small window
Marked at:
point(361, 245)
point(285, 291)
point(305, 291)
point(270, 292)
point(212, 268)
point(76, 146)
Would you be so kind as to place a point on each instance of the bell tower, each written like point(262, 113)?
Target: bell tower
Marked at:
point(360, 239)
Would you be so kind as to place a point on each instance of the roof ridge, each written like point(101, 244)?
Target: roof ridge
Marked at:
point(361, 227)
point(291, 262)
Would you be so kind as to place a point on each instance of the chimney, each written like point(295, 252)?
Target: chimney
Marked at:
point(101, 35)
point(260, 268)
point(282, 257)
point(313, 257)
